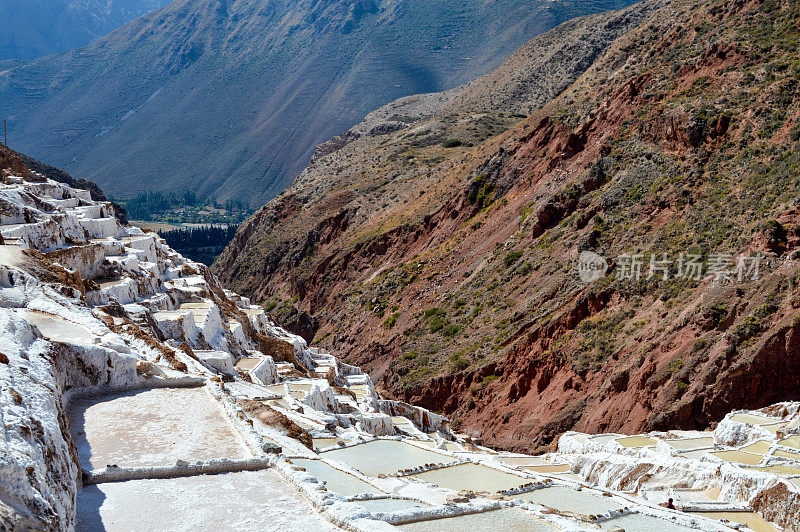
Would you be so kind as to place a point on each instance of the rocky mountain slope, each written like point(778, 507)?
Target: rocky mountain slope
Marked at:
point(449, 243)
point(36, 28)
point(130, 380)
point(247, 88)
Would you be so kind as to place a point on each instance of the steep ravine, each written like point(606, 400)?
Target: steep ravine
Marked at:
point(453, 267)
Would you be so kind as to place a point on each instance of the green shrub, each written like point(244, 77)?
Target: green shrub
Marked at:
point(391, 320)
point(459, 362)
point(452, 143)
point(716, 313)
point(435, 311)
point(749, 328)
point(451, 330)
point(511, 258)
point(437, 324)
point(480, 191)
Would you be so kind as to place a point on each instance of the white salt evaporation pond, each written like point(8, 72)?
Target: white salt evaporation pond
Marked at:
point(385, 457)
point(567, 499)
point(507, 519)
point(245, 501)
point(643, 523)
point(390, 505)
point(152, 427)
point(335, 480)
point(753, 521)
point(58, 329)
point(472, 477)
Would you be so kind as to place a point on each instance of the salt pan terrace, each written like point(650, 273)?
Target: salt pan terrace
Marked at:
point(190, 408)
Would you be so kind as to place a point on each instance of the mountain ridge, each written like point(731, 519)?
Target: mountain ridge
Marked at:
point(249, 88)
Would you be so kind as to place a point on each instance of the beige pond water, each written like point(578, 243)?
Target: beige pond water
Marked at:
point(152, 427)
point(248, 363)
point(58, 329)
point(603, 438)
point(752, 520)
point(568, 499)
point(691, 443)
point(636, 441)
point(752, 419)
point(243, 502)
point(775, 427)
point(472, 477)
point(335, 480)
point(324, 443)
point(552, 468)
point(385, 457)
point(739, 457)
point(785, 454)
point(791, 441)
point(507, 519)
point(758, 447)
point(785, 470)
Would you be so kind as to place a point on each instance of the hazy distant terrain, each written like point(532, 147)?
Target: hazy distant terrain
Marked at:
point(229, 97)
point(35, 28)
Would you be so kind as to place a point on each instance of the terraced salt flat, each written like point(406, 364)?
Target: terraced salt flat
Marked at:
point(636, 441)
point(691, 443)
point(568, 499)
point(786, 454)
point(752, 419)
point(506, 519)
point(152, 427)
point(58, 329)
point(758, 447)
point(248, 363)
point(324, 443)
point(242, 502)
point(335, 480)
point(551, 468)
point(390, 505)
point(739, 457)
point(754, 521)
point(696, 455)
point(643, 523)
point(473, 477)
point(523, 461)
point(385, 457)
point(791, 441)
point(781, 469)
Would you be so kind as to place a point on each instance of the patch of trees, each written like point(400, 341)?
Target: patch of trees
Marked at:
point(201, 244)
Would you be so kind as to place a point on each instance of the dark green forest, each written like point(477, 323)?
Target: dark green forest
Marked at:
point(201, 244)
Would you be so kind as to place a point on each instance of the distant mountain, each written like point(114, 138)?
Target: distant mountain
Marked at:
point(230, 97)
point(35, 28)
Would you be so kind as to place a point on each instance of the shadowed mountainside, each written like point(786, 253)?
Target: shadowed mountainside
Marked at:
point(247, 88)
point(35, 28)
